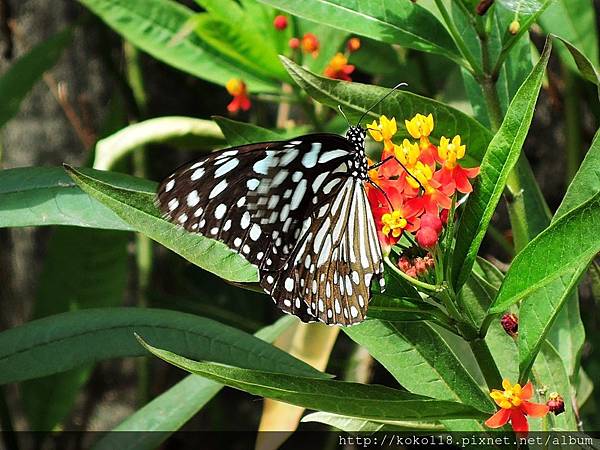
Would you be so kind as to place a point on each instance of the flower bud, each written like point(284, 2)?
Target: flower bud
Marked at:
point(294, 43)
point(421, 266)
point(310, 44)
point(514, 27)
point(432, 221)
point(404, 263)
point(556, 404)
point(444, 216)
point(412, 272)
point(353, 44)
point(429, 261)
point(280, 22)
point(483, 6)
point(427, 237)
point(510, 323)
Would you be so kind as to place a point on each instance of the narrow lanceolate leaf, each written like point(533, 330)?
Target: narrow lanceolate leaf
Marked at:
point(356, 424)
point(22, 75)
point(356, 98)
point(242, 133)
point(184, 131)
point(419, 358)
point(500, 157)
point(585, 66)
point(137, 208)
point(169, 411)
point(35, 196)
point(155, 26)
point(340, 397)
point(402, 23)
point(64, 341)
point(570, 242)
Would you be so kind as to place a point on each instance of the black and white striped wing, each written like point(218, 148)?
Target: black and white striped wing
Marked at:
point(260, 199)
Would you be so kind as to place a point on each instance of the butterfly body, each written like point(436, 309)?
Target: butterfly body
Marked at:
point(296, 209)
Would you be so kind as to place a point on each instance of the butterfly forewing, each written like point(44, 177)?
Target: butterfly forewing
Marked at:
point(296, 209)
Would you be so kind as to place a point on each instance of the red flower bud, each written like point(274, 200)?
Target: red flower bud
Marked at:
point(444, 216)
point(280, 22)
point(556, 404)
point(427, 237)
point(294, 43)
point(431, 221)
point(421, 266)
point(404, 263)
point(353, 44)
point(510, 323)
point(429, 261)
point(412, 272)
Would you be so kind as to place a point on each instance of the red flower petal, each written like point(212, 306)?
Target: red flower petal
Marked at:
point(499, 419)
point(527, 391)
point(519, 421)
point(461, 180)
point(534, 409)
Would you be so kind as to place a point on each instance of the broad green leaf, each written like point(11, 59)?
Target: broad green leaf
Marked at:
point(83, 268)
point(64, 341)
point(137, 208)
point(573, 21)
point(35, 196)
point(499, 159)
point(24, 73)
point(180, 131)
point(241, 133)
point(549, 371)
point(420, 360)
point(339, 397)
point(356, 424)
point(573, 239)
point(173, 408)
point(586, 182)
point(153, 26)
point(403, 309)
point(402, 23)
point(356, 98)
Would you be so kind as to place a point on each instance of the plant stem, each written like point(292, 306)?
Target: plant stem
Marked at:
point(486, 363)
point(473, 66)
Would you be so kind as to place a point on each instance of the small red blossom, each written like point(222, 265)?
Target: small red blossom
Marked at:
point(515, 407)
point(237, 88)
point(510, 323)
point(338, 68)
point(294, 43)
point(452, 175)
point(556, 404)
point(280, 22)
point(310, 44)
point(432, 221)
point(353, 44)
point(427, 237)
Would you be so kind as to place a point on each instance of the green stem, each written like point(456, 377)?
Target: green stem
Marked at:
point(486, 363)
point(472, 66)
point(420, 284)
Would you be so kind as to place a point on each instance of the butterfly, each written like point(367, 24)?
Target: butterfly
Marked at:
point(296, 209)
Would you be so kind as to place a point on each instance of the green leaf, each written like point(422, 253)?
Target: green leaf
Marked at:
point(83, 268)
point(573, 239)
point(403, 309)
point(241, 133)
point(573, 21)
point(340, 397)
point(420, 360)
point(137, 208)
point(154, 25)
point(549, 371)
point(356, 98)
point(402, 23)
point(64, 341)
point(35, 196)
point(585, 66)
point(24, 73)
point(173, 408)
point(500, 157)
point(355, 424)
point(180, 131)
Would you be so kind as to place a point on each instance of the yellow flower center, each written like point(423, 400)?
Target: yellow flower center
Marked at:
point(420, 126)
point(510, 397)
point(393, 223)
point(451, 151)
point(408, 153)
point(419, 176)
point(235, 87)
point(338, 62)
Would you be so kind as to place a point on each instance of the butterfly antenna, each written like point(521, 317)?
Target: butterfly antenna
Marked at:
point(343, 114)
point(399, 85)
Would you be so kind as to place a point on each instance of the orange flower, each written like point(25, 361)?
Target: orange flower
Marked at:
point(427, 192)
point(310, 44)
point(237, 88)
point(353, 44)
point(515, 407)
point(338, 68)
point(452, 175)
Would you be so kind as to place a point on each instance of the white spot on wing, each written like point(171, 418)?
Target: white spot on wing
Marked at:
point(218, 189)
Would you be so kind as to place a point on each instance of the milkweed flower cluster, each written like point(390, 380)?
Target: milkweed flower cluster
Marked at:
point(415, 181)
point(515, 407)
point(338, 67)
